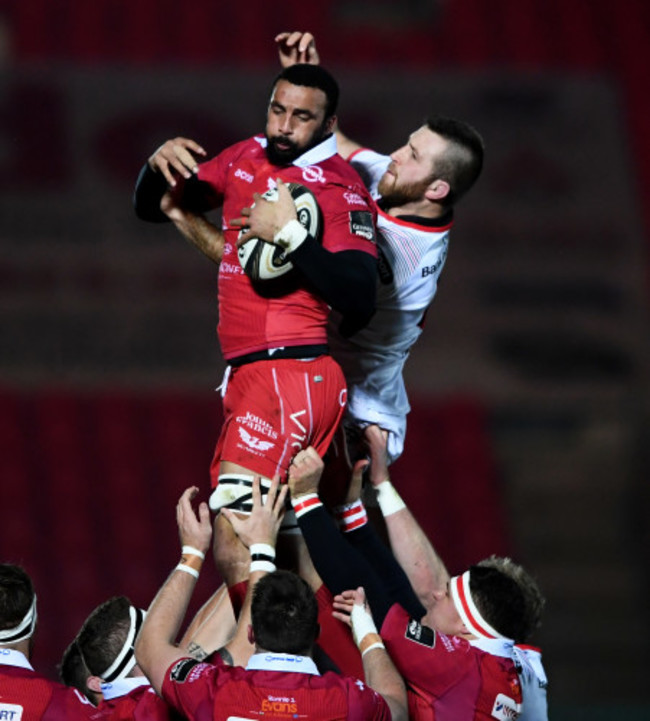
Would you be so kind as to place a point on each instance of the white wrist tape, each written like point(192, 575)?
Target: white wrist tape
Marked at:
point(264, 548)
point(389, 499)
point(377, 644)
point(187, 569)
point(267, 566)
point(291, 236)
point(362, 623)
point(191, 551)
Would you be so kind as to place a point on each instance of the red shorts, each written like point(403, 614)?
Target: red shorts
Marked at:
point(273, 409)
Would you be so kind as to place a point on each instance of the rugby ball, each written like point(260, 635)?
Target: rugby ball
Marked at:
point(264, 261)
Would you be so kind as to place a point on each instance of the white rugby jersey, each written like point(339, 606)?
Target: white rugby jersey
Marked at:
point(532, 677)
point(411, 258)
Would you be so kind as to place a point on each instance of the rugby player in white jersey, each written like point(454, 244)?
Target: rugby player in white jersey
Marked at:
point(415, 188)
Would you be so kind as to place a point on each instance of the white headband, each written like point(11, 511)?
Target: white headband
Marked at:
point(23, 630)
point(470, 615)
point(125, 660)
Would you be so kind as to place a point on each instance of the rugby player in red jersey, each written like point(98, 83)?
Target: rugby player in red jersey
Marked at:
point(24, 693)
point(280, 679)
point(282, 390)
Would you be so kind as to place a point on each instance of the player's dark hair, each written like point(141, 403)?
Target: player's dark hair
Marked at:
point(73, 671)
point(104, 633)
point(507, 596)
point(461, 163)
point(16, 595)
point(313, 76)
point(284, 614)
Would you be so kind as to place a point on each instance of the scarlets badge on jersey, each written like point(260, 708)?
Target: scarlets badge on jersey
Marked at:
point(423, 635)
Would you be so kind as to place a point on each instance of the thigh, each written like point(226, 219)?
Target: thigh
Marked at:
point(273, 409)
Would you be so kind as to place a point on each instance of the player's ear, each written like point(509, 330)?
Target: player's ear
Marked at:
point(251, 635)
point(330, 124)
point(437, 191)
point(94, 683)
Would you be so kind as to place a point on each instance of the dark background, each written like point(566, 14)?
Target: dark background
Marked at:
point(529, 387)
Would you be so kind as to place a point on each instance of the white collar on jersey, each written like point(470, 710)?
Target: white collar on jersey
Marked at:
point(268, 661)
point(325, 149)
point(123, 686)
point(495, 646)
point(11, 657)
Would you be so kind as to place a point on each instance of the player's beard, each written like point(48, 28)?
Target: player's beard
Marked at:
point(286, 156)
point(282, 156)
point(393, 193)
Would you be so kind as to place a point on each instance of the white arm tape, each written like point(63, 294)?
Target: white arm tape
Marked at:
point(267, 566)
point(362, 623)
point(378, 644)
point(264, 548)
point(191, 551)
point(389, 499)
point(291, 236)
point(187, 569)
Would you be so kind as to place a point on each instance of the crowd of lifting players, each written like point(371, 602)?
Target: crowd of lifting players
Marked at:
point(318, 617)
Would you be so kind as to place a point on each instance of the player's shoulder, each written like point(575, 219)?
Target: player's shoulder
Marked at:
point(367, 156)
point(529, 663)
point(345, 169)
point(248, 148)
point(187, 671)
point(365, 699)
point(342, 180)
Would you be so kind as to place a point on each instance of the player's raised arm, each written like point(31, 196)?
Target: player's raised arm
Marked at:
point(425, 569)
point(258, 532)
point(155, 647)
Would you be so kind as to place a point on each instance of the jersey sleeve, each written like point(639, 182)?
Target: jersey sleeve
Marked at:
point(214, 172)
point(189, 684)
point(365, 704)
point(425, 658)
point(371, 166)
point(349, 220)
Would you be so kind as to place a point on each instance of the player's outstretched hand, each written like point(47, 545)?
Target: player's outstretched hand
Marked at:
point(176, 156)
point(377, 441)
point(296, 47)
point(343, 603)
point(193, 529)
point(263, 523)
point(305, 472)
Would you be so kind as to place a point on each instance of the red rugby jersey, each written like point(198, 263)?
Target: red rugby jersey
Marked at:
point(449, 678)
point(130, 702)
point(247, 321)
point(205, 691)
point(27, 696)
